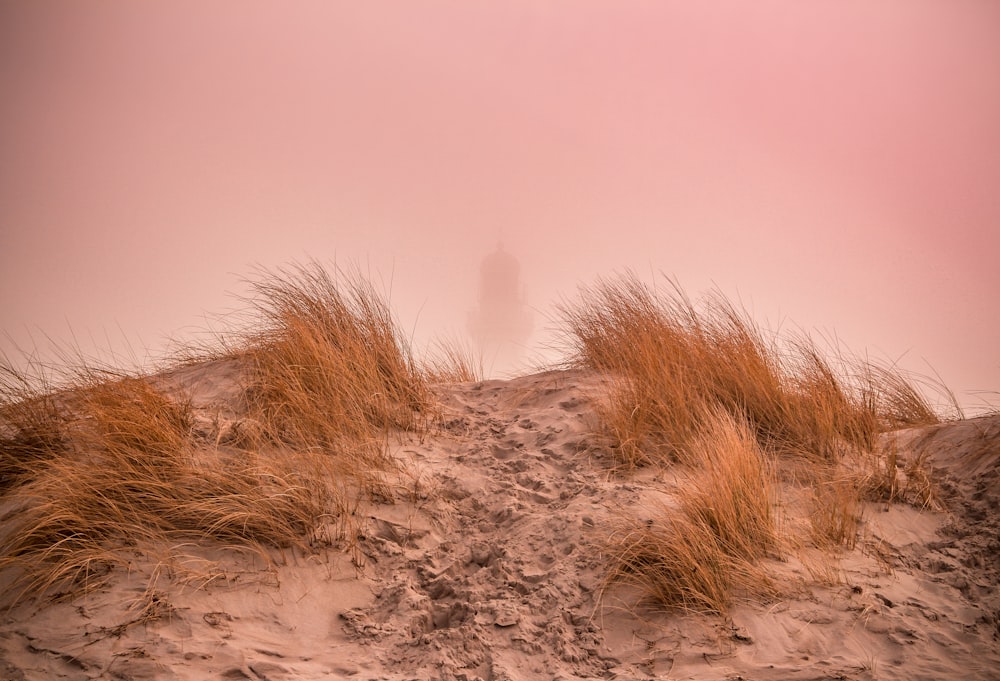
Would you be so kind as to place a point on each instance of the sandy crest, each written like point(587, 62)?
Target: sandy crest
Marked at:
point(487, 565)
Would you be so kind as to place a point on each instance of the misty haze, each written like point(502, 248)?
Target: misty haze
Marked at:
point(499, 341)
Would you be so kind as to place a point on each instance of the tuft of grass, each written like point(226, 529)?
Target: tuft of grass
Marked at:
point(920, 489)
point(836, 512)
point(453, 361)
point(704, 385)
point(702, 554)
point(32, 427)
point(648, 345)
point(671, 360)
point(733, 492)
point(330, 369)
point(895, 400)
point(109, 465)
point(885, 476)
point(129, 420)
point(136, 479)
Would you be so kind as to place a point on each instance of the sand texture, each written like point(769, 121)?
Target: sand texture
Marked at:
point(487, 563)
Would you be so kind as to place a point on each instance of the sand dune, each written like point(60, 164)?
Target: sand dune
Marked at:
point(486, 563)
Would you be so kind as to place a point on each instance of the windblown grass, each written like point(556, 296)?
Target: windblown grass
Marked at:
point(32, 430)
point(330, 369)
point(704, 553)
point(704, 385)
point(836, 511)
point(133, 477)
point(733, 490)
point(452, 361)
point(112, 466)
point(671, 360)
point(896, 401)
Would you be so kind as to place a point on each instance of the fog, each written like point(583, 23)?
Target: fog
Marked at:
point(832, 166)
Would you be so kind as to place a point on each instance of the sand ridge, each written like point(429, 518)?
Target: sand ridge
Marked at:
point(486, 564)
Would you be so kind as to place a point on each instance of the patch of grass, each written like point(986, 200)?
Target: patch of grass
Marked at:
point(896, 401)
point(330, 370)
point(135, 478)
point(32, 426)
point(648, 345)
point(920, 489)
point(702, 554)
point(109, 465)
point(836, 512)
point(704, 385)
point(671, 360)
point(453, 361)
point(885, 476)
point(733, 491)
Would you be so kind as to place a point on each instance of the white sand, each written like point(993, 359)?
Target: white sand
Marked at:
point(487, 566)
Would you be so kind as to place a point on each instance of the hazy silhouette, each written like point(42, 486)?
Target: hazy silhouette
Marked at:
point(501, 324)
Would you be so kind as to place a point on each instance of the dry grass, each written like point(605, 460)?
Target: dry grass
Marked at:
point(647, 344)
point(32, 429)
point(135, 478)
point(878, 475)
point(453, 361)
point(896, 400)
point(671, 360)
point(330, 369)
point(111, 466)
point(836, 512)
point(702, 384)
point(733, 492)
point(704, 553)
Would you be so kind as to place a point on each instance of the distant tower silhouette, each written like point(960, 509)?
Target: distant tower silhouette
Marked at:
point(501, 324)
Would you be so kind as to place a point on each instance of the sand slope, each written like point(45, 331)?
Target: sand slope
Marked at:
point(487, 565)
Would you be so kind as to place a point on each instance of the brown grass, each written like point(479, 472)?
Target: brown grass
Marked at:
point(733, 493)
point(704, 385)
point(134, 478)
point(111, 466)
point(32, 429)
point(330, 369)
point(836, 512)
point(452, 361)
point(670, 360)
point(704, 553)
point(897, 402)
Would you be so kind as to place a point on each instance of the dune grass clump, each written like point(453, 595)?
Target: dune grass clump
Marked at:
point(109, 466)
point(836, 511)
point(32, 428)
point(133, 477)
point(647, 345)
point(330, 370)
point(670, 361)
point(702, 554)
point(895, 400)
point(733, 490)
point(704, 386)
point(452, 361)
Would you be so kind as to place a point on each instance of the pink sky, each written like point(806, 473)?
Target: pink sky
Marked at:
point(835, 165)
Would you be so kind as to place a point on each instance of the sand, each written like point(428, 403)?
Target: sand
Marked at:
point(486, 564)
